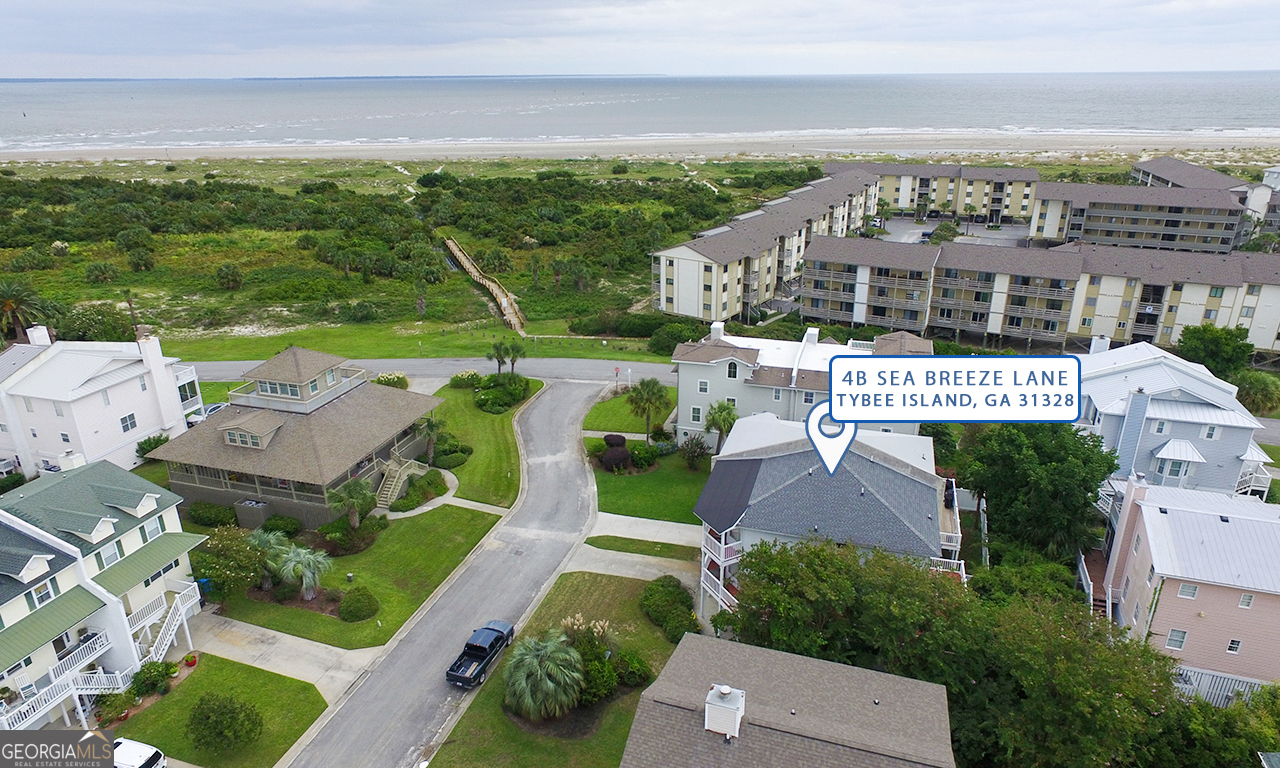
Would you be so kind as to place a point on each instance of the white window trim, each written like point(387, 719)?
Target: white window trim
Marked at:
point(704, 386)
point(1182, 641)
point(1237, 643)
point(1193, 589)
point(1244, 603)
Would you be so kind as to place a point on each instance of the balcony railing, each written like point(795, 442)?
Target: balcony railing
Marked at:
point(722, 553)
point(901, 282)
point(656, 303)
point(752, 279)
point(147, 614)
point(88, 650)
point(831, 274)
point(1044, 313)
point(719, 591)
point(823, 293)
point(966, 283)
point(1085, 582)
point(1253, 480)
point(825, 313)
point(977, 326)
point(656, 268)
point(945, 565)
point(1143, 329)
point(951, 541)
point(183, 374)
point(1038, 290)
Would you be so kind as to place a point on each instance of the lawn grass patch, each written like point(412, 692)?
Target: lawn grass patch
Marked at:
point(650, 548)
point(216, 391)
point(153, 472)
point(492, 474)
point(666, 493)
point(614, 415)
point(1274, 452)
point(288, 708)
point(402, 568)
point(485, 736)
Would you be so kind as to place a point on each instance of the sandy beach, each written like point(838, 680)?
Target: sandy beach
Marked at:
point(806, 145)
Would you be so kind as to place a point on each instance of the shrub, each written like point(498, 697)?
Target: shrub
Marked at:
point(152, 677)
point(111, 706)
point(660, 435)
point(218, 722)
point(421, 489)
point(307, 242)
point(8, 172)
point(228, 276)
point(32, 259)
point(101, 272)
point(9, 482)
point(600, 680)
point(289, 526)
point(171, 168)
point(641, 325)
point(615, 459)
point(133, 238)
point(211, 515)
point(396, 379)
point(286, 591)
point(694, 451)
point(59, 249)
point(633, 671)
point(98, 321)
point(669, 605)
point(644, 456)
point(465, 380)
point(499, 392)
point(358, 604)
point(148, 444)
point(664, 340)
point(358, 312)
point(543, 677)
point(595, 448)
point(619, 169)
point(451, 460)
point(141, 260)
point(615, 441)
point(666, 449)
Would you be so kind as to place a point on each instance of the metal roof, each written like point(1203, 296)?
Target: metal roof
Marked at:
point(1209, 544)
point(1199, 413)
point(1108, 378)
point(49, 621)
point(1255, 454)
point(154, 555)
point(75, 369)
point(1179, 450)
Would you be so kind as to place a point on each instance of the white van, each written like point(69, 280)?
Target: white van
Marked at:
point(135, 754)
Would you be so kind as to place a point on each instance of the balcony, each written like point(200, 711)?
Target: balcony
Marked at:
point(901, 282)
point(147, 614)
point(947, 567)
point(899, 302)
point(1041, 291)
point(1255, 481)
point(752, 279)
point(1061, 315)
point(656, 267)
point(656, 303)
point(831, 274)
point(824, 293)
point(1143, 329)
point(183, 374)
point(720, 592)
point(721, 553)
point(826, 313)
point(976, 326)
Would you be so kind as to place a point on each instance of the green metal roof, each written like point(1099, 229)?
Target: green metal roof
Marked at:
point(156, 554)
point(50, 620)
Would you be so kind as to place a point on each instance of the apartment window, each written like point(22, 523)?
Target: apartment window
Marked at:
point(986, 277)
point(1167, 331)
point(706, 268)
point(314, 386)
point(671, 262)
point(1246, 311)
point(1210, 432)
point(42, 594)
point(1211, 314)
point(1122, 324)
point(1253, 290)
point(26, 401)
point(777, 394)
point(57, 409)
point(952, 274)
point(33, 433)
point(1173, 309)
point(671, 300)
point(142, 383)
point(703, 387)
point(695, 415)
point(128, 422)
point(1177, 287)
point(65, 437)
point(732, 401)
point(329, 376)
point(1091, 301)
point(1095, 279)
point(1137, 613)
point(1233, 646)
point(1136, 541)
point(108, 556)
point(1246, 600)
point(1131, 282)
point(706, 307)
point(1151, 574)
point(808, 398)
point(706, 286)
point(1176, 640)
point(1124, 593)
point(732, 370)
point(1086, 322)
point(1215, 292)
point(672, 281)
point(948, 293)
point(1189, 591)
point(152, 528)
point(4, 427)
point(106, 398)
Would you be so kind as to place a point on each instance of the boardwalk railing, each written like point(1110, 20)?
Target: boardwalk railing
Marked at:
point(506, 301)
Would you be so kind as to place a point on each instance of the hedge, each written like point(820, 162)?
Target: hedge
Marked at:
point(452, 460)
point(211, 515)
point(289, 526)
point(669, 605)
point(359, 604)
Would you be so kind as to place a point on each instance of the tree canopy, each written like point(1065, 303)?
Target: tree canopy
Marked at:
point(1224, 351)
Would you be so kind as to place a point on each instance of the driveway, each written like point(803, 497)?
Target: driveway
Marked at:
point(444, 367)
point(396, 711)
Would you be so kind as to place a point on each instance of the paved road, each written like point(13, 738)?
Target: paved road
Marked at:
point(537, 367)
point(402, 704)
point(1270, 432)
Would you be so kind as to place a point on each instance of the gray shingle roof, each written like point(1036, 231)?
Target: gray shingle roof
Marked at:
point(869, 252)
point(873, 500)
point(75, 500)
point(1033, 262)
point(902, 343)
point(1080, 195)
point(1184, 174)
point(797, 712)
point(316, 447)
point(295, 365)
point(16, 550)
point(709, 350)
point(1157, 267)
point(933, 171)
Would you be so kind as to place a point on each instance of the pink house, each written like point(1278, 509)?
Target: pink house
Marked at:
point(1198, 575)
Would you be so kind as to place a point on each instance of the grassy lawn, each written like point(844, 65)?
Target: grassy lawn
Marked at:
point(667, 493)
point(1274, 452)
point(402, 339)
point(614, 415)
point(650, 548)
point(492, 474)
point(216, 391)
point(402, 569)
point(153, 472)
point(288, 708)
point(485, 737)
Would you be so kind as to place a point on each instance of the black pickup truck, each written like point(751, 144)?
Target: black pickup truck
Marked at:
point(484, 647)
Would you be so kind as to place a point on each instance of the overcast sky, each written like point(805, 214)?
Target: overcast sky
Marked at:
point(310, 38)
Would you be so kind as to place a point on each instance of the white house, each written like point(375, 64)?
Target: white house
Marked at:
point(94, 581)
point(96, 399)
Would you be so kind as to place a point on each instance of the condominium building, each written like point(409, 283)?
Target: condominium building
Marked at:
point(998, 193)
point(729, 271)
point(91, 398)
point(95, 580)
point(1173, 218)
point(1261, 200)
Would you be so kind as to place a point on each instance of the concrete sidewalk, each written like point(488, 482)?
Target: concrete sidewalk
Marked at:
point(647, 530)
point(450, 497)
point(332, 670)
point(633, 566)
point(637, 436)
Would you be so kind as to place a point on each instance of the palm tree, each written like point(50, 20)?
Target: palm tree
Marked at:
point(431, 429)
point(354, 498)
point(273, 545)
point(970, 209)
point(544, 677)
point(304, 566)
point(515, 351)
point(20, 306)
point(498, 354)
point(648, 398)
point(721, 416)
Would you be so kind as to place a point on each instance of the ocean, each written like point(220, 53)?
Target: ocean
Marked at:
point(40, 115)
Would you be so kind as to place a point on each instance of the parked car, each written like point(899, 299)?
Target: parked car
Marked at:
point(877, 222)
point(204, 412)
point(135, 754)
point(479, 654)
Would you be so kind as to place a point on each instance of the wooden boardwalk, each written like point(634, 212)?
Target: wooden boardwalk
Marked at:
point(506, 301)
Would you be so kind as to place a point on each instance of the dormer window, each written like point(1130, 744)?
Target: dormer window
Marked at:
point(329, 376)
point(235, 437)
point(279, 388)
point(733, 370)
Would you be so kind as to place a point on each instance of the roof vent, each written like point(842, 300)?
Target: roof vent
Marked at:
point(724, 710)
point(1224, 518)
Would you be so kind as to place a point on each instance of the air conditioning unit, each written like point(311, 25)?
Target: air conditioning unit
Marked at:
point(724, 710)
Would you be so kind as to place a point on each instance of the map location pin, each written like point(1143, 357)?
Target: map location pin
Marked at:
point(830, 448)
